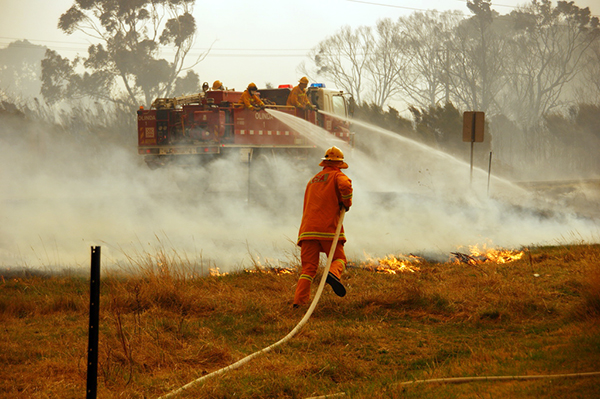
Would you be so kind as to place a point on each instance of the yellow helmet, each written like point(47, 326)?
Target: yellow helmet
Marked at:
point(304, 80)
point(252, 86)
point(336, 155)
point(333, 154)
point(217, 85)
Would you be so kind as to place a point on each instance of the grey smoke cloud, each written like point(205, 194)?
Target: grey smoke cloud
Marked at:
point(60, 196)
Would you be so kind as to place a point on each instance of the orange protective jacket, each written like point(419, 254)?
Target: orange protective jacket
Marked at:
point(250, 101)
point(322, 198)
point(298, 98)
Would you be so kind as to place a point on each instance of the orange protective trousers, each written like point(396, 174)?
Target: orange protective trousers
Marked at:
point(309, 255)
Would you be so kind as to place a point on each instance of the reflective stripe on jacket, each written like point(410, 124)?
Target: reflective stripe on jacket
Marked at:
point(322, 198)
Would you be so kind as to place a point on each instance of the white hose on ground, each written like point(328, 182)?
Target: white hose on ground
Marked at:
point(460, 380)
point(301, 323)
point(333, 395)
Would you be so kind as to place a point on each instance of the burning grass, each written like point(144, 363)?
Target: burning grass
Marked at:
point(412, 319)
point(479, 255)
point(393, 264)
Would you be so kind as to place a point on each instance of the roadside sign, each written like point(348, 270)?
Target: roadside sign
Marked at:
point(473, 124)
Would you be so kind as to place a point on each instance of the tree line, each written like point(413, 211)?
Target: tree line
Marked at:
point(535, 72)
point(535, 60)
point(532, 71)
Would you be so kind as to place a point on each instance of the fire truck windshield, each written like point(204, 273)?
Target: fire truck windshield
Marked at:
point(339, 105)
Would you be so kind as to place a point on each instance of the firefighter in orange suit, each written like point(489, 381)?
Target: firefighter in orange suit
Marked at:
point(217, 85)
point(326, 193)
point(298, 98)
point(250, 100)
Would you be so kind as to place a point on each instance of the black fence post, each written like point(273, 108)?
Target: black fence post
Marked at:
point(92, 371)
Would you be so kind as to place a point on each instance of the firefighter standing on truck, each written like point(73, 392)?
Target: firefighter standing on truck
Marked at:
point(250, 100)
point(298, 98)
point(326, 193)
point(217, 85)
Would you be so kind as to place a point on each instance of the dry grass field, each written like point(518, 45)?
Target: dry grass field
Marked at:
point(162, 326)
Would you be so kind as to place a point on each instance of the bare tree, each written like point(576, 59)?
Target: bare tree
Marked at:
point(386, 64)
point(548, 50)
point(426, 36)
point(477, 68)
point(343, 58)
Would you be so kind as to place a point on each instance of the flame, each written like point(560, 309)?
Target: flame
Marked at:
point(269, 267)
point(273, 270)
point(392, 264)
point(483, 254)
point(215, 271)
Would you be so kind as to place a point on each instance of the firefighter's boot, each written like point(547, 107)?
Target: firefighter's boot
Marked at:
point(333, 277)
point(336, 284)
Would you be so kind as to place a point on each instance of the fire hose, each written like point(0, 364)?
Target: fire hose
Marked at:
point(300, 324)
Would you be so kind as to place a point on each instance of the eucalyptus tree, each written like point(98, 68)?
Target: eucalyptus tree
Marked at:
point(125, 65)
point(427, 56)
point(343, 58)
point(20, 69)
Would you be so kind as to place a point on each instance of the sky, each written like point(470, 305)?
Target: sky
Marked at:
point(261, 42)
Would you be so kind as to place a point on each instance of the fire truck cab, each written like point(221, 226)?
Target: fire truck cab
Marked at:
point(192, 130)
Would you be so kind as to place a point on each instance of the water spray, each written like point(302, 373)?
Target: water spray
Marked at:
point(425, 147)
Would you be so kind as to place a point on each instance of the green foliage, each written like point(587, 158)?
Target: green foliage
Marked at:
point(390, 119)
point(575, 133)
point(482, 10)
point(587, 118)
point(57, 73)
point(541, 14)
point(441, 125)
point(178, 30)
point(132, 35)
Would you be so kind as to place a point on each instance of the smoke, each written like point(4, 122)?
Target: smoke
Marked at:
point(63, 194)
point(411, 198)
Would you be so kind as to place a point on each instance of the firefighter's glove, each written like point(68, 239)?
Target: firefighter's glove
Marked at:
point(344, 207)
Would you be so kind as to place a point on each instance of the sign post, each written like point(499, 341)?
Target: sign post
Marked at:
point(489, 174)
point(473, 125)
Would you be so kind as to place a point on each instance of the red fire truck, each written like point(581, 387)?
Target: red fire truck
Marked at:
point(193, 130)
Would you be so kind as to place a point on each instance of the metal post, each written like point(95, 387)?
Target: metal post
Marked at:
point(92, 371)
point(249, 174)
point(472, 141)
point(489, 174)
